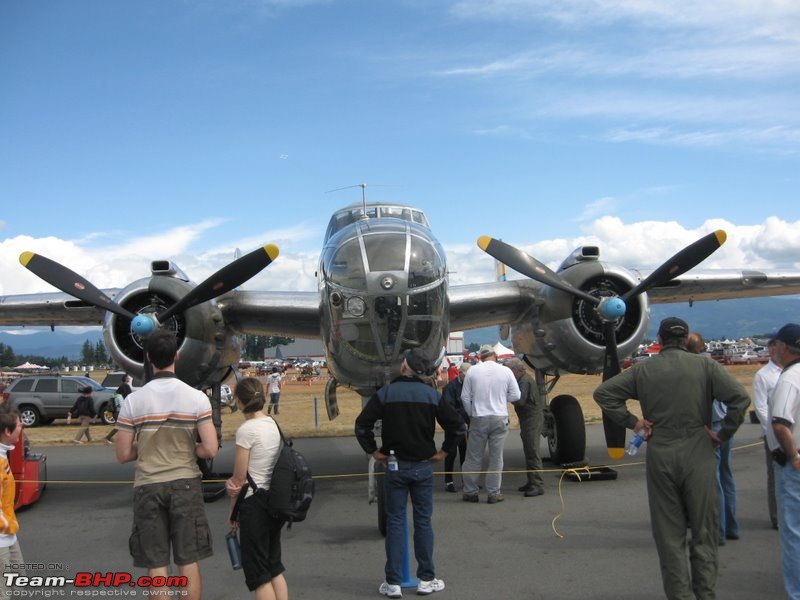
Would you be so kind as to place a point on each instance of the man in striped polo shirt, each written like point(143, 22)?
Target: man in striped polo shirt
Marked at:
point(159, 425)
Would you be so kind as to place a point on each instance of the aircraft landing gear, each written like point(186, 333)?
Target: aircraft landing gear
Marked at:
point(563, 423)
point(567, 432)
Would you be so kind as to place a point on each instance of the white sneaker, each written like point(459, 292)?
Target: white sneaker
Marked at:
point(391, 590)
point(428, 587)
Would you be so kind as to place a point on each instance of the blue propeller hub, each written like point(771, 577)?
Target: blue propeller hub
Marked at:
point(143, 325)
point(612, 308)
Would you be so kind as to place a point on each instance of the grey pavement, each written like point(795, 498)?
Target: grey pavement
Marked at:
point(507, 550)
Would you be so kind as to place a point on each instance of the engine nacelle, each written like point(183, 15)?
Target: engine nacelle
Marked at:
point(567, 333)
point(206, 348)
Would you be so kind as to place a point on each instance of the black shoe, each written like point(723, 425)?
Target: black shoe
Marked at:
point(526, 487)
point(469, 497)
point(530, 493)
point(450, 487)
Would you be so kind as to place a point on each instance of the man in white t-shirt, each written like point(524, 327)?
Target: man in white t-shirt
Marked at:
point(488, 388)
point(784, 441)
point(763, 383)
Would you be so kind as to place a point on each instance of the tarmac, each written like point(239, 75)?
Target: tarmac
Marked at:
point(580, 540)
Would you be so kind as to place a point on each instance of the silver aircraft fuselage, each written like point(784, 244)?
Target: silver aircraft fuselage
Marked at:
point(383, 290)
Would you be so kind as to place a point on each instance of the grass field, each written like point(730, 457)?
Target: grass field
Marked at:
point(297, 417)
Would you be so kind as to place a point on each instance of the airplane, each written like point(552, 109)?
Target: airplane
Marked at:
point(382, 289)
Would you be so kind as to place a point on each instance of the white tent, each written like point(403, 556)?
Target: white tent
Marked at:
point(26, 366)
point(503, 352)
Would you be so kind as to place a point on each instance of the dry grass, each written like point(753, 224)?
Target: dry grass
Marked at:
point(297, 409)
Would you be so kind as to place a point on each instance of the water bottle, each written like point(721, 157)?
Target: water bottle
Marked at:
point(234, 551)
point(391, 464)
point(636, 442)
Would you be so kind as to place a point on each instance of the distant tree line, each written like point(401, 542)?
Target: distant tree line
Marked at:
point(91, 354)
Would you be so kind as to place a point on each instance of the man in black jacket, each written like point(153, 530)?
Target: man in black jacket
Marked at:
point(409, 410)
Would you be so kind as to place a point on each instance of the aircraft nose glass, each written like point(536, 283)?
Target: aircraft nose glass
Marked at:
point(347, 268)
point(425, 265)
point(385, 252)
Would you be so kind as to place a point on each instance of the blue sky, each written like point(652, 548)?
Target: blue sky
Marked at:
point(186, 129)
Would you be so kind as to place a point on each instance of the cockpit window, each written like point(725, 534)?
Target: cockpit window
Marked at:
point(347, 267)
point(351, 214)
point(386, 252)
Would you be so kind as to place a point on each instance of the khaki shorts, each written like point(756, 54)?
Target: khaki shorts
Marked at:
point(169, 514)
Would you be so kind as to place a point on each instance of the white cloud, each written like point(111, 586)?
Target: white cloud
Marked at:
point(771, 245)
point(774, 18)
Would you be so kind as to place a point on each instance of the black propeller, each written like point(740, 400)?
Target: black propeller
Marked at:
point(228, 277)
point(610, 309)
point(70, 282)
point(224, 280)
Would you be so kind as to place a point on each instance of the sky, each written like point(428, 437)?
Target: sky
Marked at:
point(185, 129)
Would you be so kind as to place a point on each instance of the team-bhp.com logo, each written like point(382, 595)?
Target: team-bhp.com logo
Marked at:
point(17, 584)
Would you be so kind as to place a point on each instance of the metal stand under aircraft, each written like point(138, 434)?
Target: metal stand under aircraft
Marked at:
point(213, 483)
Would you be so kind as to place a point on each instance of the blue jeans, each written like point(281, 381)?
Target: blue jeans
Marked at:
point(728, 526)
point(483, 431)
point(787, 492)
point(415, 478)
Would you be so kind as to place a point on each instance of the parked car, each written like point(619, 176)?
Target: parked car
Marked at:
point(42, 398)
point(748, 357)
point(226, 397)
point(114, 379)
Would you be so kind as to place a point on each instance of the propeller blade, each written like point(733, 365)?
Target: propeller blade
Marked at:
point(529, 266)
point(70, 282)
point(224, 280)
point(615, 434)
point(615, 438)
point(686, 259)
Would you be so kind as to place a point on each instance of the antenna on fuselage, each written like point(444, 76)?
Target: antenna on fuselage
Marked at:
point(363, 187)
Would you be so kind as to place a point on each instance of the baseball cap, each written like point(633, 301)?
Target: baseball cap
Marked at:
point(464, 366)
point(486, 350)
point(673, 326)
point(417, 361)
point(789, 334)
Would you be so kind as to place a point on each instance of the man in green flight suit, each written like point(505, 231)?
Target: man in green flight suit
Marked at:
point(675, 390)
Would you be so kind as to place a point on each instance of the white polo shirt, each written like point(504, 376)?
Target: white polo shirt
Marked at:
point(784, 403)
point(488, 388)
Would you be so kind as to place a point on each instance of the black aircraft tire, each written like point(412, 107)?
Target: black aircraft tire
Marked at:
point(381, 499)
point(569, 445)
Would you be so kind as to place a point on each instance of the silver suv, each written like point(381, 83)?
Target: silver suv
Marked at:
point(43, 398)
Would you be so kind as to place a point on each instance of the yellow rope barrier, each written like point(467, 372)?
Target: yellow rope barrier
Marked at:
point(578, 472)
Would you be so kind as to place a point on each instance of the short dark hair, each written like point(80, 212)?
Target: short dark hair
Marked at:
point(162, 346)
point(9, 415)
point(250, 392)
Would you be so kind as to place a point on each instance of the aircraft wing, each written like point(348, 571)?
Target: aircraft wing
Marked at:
point(503, 302)
point(291, 314)
point(721, 284)
point(495, 303)
point(50, 310)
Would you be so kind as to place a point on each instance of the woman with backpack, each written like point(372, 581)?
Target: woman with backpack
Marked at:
point(257, 445)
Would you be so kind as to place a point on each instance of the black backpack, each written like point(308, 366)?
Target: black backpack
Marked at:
point(291, 487)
